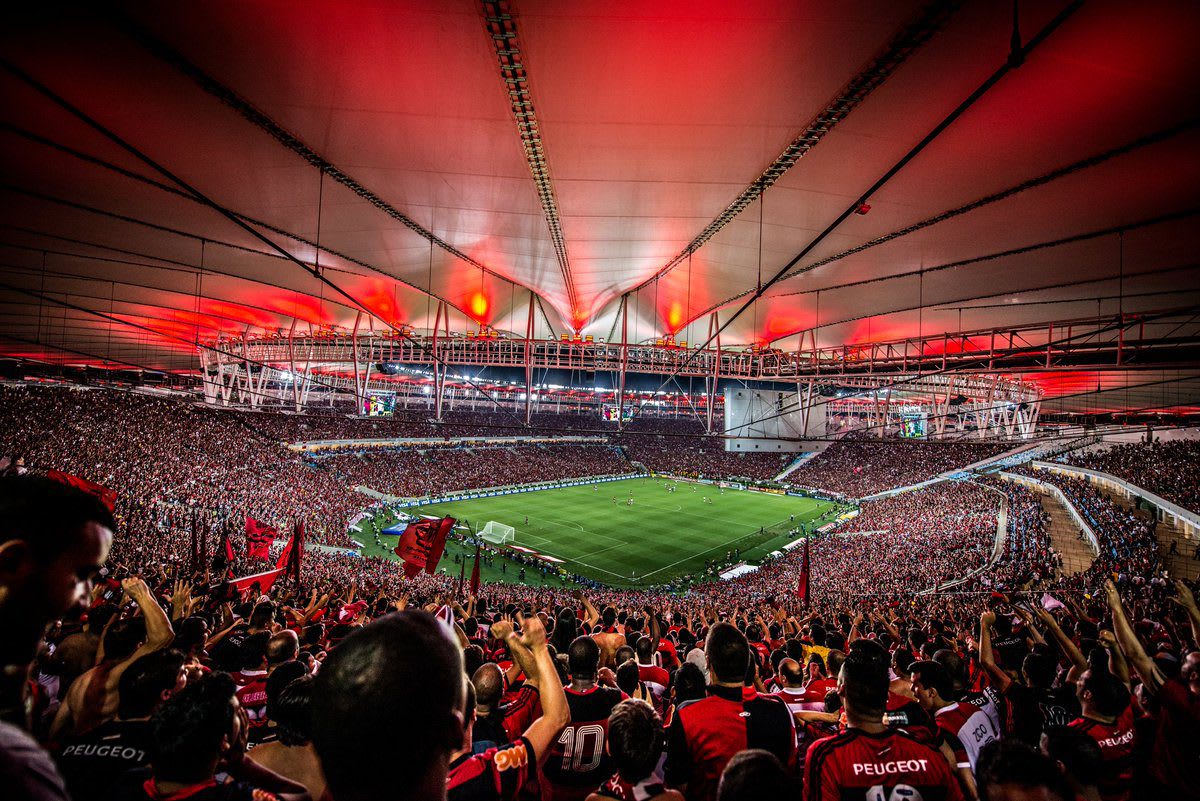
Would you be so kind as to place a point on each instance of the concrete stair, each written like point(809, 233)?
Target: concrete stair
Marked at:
point(1076, 554)
point(1180, 565)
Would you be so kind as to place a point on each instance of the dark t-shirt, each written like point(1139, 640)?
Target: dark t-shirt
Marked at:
point(92, 764)
point(1032, 710)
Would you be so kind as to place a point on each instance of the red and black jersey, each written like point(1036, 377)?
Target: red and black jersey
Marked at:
point(498, 774)
point(252, 695)
point(655, 674)
point(520, 713)
point(139, 785)
point(705, 735)
point(616, 787)
point(578, 760)
point(967, 729)
point(857, 766)
point(1175, 755)
point(1117, 741)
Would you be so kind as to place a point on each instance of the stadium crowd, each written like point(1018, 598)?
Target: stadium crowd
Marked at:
point(154, 683)
point(859, 466)
point(1128, 546)
point(1169, 469)
point(703, 457)
point(411, 473)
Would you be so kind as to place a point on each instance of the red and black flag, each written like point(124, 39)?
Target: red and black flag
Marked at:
point(261, 582)
point(105, 495)
point(224, 558)
point(422, 543)
point(803, 587)
point(293, 552)
point(439, 544)
point(475, 573)
point(259, 537)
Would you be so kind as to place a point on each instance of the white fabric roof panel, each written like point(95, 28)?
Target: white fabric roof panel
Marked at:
point(652, 119)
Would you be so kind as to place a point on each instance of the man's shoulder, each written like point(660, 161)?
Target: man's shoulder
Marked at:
point(768, 701)
point(822, 748)
point(26, 768)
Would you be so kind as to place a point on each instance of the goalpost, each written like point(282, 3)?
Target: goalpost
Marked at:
point(497, 533)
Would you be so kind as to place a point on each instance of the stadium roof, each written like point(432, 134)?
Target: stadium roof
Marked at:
point(175, 170)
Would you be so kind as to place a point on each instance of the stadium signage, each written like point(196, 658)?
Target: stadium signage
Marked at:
point(514, 490)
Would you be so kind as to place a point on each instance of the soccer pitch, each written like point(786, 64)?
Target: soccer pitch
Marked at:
point(660, 536)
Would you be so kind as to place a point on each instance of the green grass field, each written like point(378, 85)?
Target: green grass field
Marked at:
point(661, 536)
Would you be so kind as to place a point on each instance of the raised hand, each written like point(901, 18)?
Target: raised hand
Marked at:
point(533, 632)
point(501, 630)
point(1183, 595)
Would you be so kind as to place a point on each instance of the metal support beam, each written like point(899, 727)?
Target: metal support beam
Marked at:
point(711, 380)
point(529, 362)
point(439, 368)
point(359, 389)
point(624, 362)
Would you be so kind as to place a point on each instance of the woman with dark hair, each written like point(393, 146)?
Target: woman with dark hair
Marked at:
point(566, 629)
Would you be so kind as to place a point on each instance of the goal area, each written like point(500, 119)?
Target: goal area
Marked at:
point(497, 533)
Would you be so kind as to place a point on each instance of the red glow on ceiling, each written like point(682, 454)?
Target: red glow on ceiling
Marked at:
point(238, 313)
point(675, 318)
point(478, 308)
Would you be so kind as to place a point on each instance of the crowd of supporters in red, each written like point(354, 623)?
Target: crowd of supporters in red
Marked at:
point(443, 470)
point(1169, 469)
point(859, 466)
point(914, 668)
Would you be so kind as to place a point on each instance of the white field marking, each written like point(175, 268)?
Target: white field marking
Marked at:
point(696, 555)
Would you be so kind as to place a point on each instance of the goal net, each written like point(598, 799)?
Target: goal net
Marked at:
point(498, 533)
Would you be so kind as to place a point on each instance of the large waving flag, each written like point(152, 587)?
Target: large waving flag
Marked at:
point(438, 547)
point(262, 580)
point(259, 537)
point(422, 543)
point(475, 573)
point(293, 552)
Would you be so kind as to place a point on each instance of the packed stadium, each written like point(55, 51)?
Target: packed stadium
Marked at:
point(538, 401)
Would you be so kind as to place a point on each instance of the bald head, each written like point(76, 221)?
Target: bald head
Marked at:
point(283, 646)
point(790, 673)
point(488, 682)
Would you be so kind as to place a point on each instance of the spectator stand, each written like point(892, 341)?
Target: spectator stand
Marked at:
point(1184, 522)
point(1053, 489)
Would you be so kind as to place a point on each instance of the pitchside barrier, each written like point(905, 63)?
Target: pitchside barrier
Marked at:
point(515, 489)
